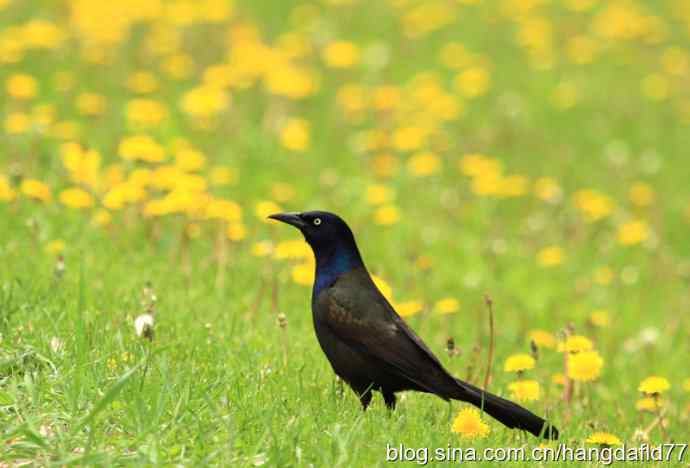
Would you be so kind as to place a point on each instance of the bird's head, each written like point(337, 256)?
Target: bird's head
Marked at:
point(325, 232)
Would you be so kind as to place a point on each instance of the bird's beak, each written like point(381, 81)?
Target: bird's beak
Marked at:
point(293, 219)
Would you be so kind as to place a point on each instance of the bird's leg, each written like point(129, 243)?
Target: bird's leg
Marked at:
point(365, 398)
point(389, 398)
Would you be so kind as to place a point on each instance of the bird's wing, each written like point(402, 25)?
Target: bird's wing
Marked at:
point(361, 316)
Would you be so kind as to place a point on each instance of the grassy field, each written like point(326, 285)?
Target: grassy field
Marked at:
point(535, 152)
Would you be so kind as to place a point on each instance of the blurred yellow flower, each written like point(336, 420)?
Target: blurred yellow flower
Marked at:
point(378, 194)
point(469, 425)
point(593, 205)
point(542, 338)
point(292, 249)
point(303, 273)
point(265, 208)
point(387, 215)
point(7, 193)
point(101, 218)
point(178, 66)
point(282, 192)
point(385, 98)
point(558, 378)
point(473, 82)
point(649, 404)
point(550, 256)
point(295, 134)
point(261, 248)
point(409, 138)
point(21, 86)
point(641, 194)
point(408, 308)
point(575, 344)
point(205, 101)
point(383, 286)
point(654, 385)
point(600, 318)
point(423, 164)
point(17, 123)
point(221, 175)
point(236, 232)
point(447, 305)
point(423, 262)
point(519, 363)
point(142, 148)
point(36, 189)
point(189, 159)
point(585, 366)
point(91, 104)
point(228, 210)
point(633, 232)
point(525, 390)
point(686, 385)
point(55, 247)
point(145, 112)
point(142, 82)
point(385, 165)
point(603, 438)
point(341, 54)
point(76, 198)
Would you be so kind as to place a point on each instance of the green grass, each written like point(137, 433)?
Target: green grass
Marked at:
point(221, 383)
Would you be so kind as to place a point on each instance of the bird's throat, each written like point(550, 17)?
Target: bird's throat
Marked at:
point(331, 264)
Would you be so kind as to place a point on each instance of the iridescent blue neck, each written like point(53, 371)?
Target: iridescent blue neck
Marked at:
point(330, 265)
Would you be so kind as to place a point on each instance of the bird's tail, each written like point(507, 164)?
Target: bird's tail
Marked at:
point(508, 413)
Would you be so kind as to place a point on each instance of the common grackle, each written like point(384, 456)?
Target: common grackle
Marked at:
point(367, 343)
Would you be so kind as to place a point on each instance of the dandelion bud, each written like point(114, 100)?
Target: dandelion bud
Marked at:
point(282, 320)
point(59, 269)
point(143, 325)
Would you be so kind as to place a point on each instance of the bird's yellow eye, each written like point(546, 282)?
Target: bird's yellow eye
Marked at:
point(317, 221)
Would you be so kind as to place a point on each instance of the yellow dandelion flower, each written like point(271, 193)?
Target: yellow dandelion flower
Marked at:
point(292, 249)
point(409, 138)
point(223, 209)
point(654, 385)
point(295, 134)
point(408, 308)
point(585, 366)
point(387, 215)
point(603, 438)
point(575, 344)
point(265, 208)
point(473, 82)
point(542, 338)
point(648, 404)
point(236, 232)
point(141, 147)
point(447, 305)
point(641, 194)
point(341, 54)
point(378, 194)
point(142, 82)
point(91, 104)
point(17, 123)
point(261, 248)
point(7, 193)
point(469, 425)
point(600, 318)
point(36, 189)
point(101, 218)
point(519, 363)
point(593, 205)
point(55, 247)
point(423, 164)
point(21, 86)
point(303, 273)
point(686, 385)
point(525, 390)
point(633, 232)
point(385, 165)
point(205, 101)
point(550, 256)
point(145, 112)
point(558, 378)
point(383, 286)
point(220, 175)
point(76, 198)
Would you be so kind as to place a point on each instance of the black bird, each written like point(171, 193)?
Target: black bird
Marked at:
point(367, 343)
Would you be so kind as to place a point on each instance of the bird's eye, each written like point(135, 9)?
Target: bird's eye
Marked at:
point(317, 221)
